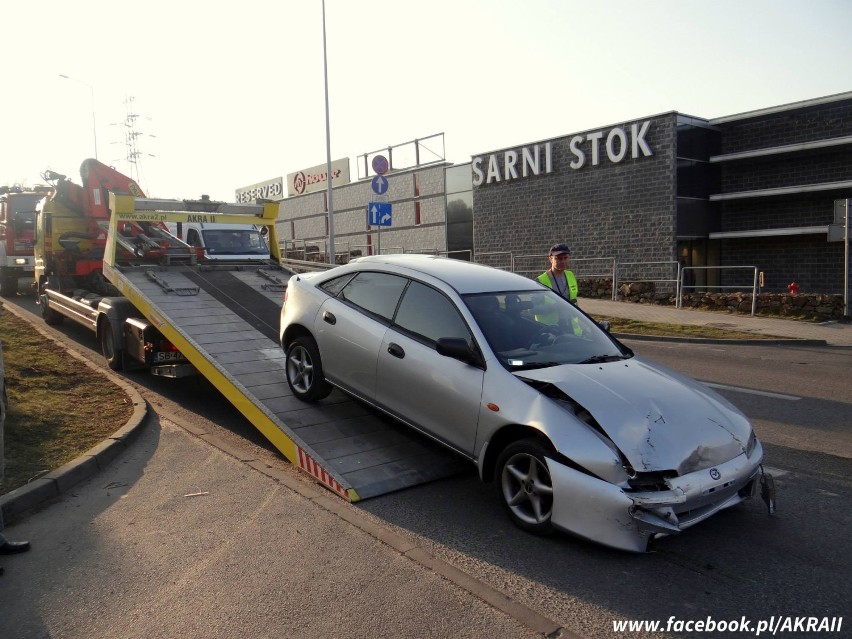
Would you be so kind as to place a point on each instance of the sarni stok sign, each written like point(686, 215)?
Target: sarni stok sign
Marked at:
point(514, 164)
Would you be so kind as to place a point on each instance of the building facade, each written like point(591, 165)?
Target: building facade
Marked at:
point(637, 199)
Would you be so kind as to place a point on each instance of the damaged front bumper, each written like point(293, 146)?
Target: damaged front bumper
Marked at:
point(608, 514)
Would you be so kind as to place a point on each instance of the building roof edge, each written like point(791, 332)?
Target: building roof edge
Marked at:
point(792, 106)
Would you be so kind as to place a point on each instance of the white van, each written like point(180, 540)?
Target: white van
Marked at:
point(223, 241)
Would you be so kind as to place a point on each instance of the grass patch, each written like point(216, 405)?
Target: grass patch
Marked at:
point(58, 407)
point(636, 327)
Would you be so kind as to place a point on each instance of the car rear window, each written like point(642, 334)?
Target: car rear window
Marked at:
point(377, 293)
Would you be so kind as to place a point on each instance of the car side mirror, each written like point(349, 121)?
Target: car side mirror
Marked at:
point(604, 325)
point(459, 349)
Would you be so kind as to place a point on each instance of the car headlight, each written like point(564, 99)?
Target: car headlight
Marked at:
point(752, 441)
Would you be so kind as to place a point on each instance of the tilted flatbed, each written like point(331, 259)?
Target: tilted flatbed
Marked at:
point(224, 319)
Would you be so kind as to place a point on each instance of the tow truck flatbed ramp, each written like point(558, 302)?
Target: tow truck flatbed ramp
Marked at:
point(225, 321)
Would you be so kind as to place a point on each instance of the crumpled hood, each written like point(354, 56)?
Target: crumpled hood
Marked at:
point(659, 419)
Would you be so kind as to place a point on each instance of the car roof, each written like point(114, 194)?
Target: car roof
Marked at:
point(464, 277)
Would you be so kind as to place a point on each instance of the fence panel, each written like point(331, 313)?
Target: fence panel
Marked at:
point(739, 275)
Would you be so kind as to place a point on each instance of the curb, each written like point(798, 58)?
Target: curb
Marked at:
point(61, 480)
point(779, 341)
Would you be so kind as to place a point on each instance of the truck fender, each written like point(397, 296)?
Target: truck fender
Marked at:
point(112, 312)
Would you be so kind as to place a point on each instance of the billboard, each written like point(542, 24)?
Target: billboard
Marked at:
point(269, 190)
point(316, 178)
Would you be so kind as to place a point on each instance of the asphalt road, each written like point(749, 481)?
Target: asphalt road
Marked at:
point(740, 564)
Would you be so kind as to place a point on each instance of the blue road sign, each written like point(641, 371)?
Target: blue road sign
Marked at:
point(380, 164)
point(379, 214)
point(380, 185)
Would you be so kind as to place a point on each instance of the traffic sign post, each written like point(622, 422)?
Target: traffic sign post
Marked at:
point(380, 214)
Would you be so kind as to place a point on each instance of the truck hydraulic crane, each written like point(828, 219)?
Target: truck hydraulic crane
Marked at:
point(17, 233)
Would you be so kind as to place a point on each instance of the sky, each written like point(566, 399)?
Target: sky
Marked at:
point(226, 95)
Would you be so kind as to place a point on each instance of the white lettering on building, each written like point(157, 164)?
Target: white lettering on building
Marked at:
point(504, 166)
point(530, 164)
point(269, 190)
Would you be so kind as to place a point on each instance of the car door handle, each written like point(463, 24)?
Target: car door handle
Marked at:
point(396, 350)
point(329, 318)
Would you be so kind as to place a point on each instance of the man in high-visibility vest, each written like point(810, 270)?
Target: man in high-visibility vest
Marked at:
point(562, 281)
point(558, 277)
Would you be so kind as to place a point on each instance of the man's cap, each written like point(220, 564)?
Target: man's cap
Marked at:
point(559, 249)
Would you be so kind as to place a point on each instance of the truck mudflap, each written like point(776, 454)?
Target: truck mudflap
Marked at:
point(603, 512)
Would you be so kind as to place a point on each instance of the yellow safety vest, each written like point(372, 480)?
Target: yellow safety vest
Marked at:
point(546, 279)
point(552, 318)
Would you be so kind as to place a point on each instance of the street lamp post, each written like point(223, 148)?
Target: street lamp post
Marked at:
point(92, 93)
point(331, 260)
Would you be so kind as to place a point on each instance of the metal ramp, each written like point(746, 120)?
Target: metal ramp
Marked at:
point(225, 320)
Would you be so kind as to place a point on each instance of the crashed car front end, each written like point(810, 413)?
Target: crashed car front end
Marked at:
point(639, 450)
point(628, 518)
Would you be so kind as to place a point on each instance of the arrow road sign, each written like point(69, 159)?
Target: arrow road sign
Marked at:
point(380, 185)
point(379, 214)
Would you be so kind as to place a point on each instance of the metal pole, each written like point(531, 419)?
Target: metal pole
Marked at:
point(331, 259)
point(92, 95)
point(754, 293)
point(846, 262)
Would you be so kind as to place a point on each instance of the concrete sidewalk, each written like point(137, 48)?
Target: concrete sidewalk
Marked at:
point(830, 333)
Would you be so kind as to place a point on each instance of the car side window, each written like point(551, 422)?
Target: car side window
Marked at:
point(377, 293)
point(427, 313)
point(336, 284)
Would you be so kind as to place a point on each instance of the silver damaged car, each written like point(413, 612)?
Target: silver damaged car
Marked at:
point(577, 433)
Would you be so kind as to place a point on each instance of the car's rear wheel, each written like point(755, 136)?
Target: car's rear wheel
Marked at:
point(525, 487)
point(304, 370)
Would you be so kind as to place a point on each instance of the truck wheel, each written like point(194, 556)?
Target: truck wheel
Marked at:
point(113, 355)
point(50, 317)
point(304, 370)
point(9, 285)
point(525, 487)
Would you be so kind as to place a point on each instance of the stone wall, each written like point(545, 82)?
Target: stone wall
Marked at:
point(812, 306)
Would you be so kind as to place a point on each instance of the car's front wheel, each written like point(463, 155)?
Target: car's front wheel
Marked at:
point(525, 487)
point(304, 370)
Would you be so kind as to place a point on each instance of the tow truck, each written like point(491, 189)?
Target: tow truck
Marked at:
point(71, 238)
point(221, 317)
point(17, 233)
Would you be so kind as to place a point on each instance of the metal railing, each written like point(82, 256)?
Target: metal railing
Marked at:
point(497, 259)
point(583, 268)
point(685, 269)
point(641, 275)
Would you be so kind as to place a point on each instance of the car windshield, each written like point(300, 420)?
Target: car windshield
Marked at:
point(235, 242)
point(536, 329)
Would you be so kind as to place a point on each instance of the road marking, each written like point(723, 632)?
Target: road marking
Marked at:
point(749, 391)
point(775, 472)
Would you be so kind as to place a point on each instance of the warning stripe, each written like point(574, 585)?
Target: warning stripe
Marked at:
point(310, 466)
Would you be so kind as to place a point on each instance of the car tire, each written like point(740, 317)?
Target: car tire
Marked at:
point(304, 370)
point(525, 487)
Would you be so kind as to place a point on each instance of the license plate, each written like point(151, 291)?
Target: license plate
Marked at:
point(168, 356)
